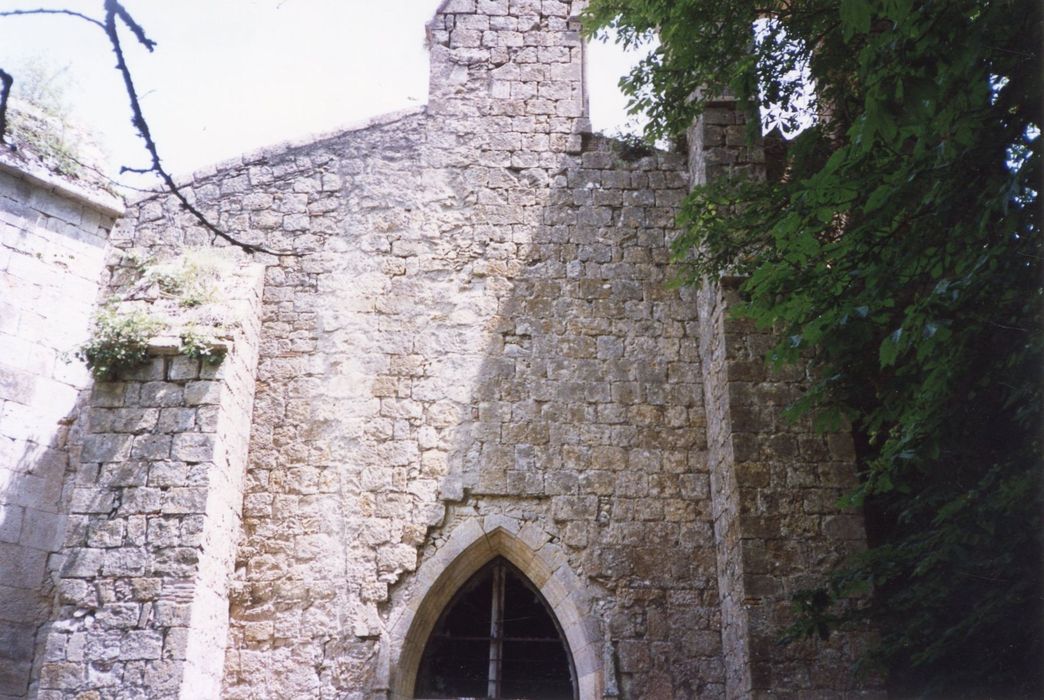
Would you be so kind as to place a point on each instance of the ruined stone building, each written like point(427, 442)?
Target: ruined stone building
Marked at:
point(458, 394)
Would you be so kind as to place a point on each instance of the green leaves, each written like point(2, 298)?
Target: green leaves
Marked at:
point(118, 341)
point(890, 347)
point(877, 198)
point(901, 255)
point(855, 17)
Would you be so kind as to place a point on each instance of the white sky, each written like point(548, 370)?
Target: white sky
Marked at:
point(230, 76)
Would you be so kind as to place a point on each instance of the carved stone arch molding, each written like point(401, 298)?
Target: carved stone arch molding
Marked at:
point(472, 545)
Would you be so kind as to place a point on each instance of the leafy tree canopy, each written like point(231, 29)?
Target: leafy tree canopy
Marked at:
point(900, 250)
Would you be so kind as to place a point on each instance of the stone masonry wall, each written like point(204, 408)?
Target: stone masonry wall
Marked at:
point(589, 415)
point(464, 327)
point(142, 599)
point(775, 484)
point(590, 422)
point(478, 325)
point(318, 443)
point(52, 250)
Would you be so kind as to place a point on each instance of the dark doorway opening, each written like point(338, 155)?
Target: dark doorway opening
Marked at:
point(497, 639)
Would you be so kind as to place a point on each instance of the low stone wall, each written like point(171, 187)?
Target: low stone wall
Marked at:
point(154, 515)
point(53, 241)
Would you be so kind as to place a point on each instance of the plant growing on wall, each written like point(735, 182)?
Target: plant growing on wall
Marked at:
point(39, 121)
point(183, 294)
point(191, 279)
point(200, 346)
point(119, 341)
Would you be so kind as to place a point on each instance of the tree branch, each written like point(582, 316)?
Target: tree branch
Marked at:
point(115, 13)
point(6, 81)
point(121, 12)
point(114, 10)
point(70, 13)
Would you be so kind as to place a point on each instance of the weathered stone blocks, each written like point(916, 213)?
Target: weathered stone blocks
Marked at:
point(469, 351)
point(146, 568)
point(774, 523)
point(53, 234)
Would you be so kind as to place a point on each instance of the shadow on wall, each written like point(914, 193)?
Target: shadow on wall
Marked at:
point(585, 415)
point(590, 417)
point(53, 237)
point(35, 488)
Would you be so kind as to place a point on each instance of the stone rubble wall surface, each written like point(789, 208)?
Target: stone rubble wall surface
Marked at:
point(52, 253)
point(465, 332)
point(142, 593)
point(588, 419)
point(775, 484)
point(319, 444)
point(589, 415)
point(480, 325)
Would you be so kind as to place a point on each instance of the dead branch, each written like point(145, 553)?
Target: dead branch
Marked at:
point(41, 11)
point(6, 81)
point(114, 14)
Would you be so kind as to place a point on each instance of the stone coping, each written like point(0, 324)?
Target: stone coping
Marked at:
point(285, 147)
point(102, 201)
point(171, 345)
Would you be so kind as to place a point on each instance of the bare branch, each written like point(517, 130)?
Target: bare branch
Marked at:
point(139, 32)
point(6, 81)
point(98, 172)
point(41, 11)
point(114, 11)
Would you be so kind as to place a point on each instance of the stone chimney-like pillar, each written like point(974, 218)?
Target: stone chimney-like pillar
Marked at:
point(507, 79)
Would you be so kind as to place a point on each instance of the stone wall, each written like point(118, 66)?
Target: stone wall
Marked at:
point(142, 592)
point(479, 327)
point(590, 421)
point(465, 346)
point(775, 484)
point(52, 250)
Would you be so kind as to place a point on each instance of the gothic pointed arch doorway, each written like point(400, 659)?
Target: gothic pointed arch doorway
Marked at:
point(497, 639)
point(470, 547)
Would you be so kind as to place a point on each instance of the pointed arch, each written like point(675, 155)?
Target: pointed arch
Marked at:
point(470, 547)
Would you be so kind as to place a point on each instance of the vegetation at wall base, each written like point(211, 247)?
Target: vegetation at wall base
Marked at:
point(899, 250)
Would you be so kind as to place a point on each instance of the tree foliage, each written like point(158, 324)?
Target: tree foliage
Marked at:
point(900, 250)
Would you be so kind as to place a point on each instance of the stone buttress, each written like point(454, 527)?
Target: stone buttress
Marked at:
point(141, 607)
